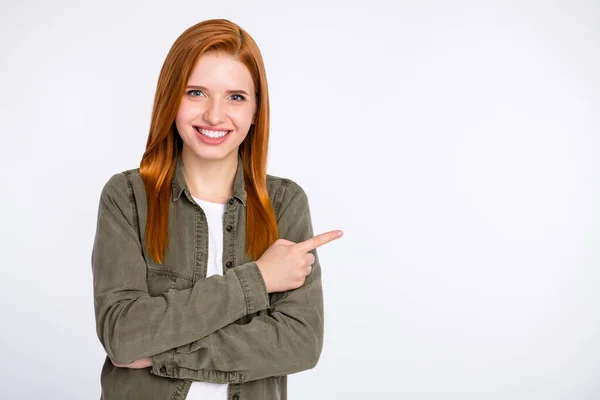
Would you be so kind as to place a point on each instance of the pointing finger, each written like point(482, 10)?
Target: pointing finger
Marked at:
point(318, 240)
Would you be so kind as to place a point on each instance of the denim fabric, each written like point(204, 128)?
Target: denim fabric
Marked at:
point(222, 329)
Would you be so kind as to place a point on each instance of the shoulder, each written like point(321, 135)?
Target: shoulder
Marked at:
point(284, 184)
point(118, 189)
point(286, 194)
point(120, 182)
point(117, 198)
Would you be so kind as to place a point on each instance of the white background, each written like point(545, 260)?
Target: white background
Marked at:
point(455, 143)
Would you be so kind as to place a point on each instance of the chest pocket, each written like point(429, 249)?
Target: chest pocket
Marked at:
point(160, 281)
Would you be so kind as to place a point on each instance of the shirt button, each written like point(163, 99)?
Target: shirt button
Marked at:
point(230, 201)
point(236, 397)
point(163, 369)
point(229, 228)
point(228, 264)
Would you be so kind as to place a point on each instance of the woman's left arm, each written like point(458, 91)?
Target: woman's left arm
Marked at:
point(284, 339)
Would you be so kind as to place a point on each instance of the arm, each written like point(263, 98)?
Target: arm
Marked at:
point(130, 323)
point(285, 339)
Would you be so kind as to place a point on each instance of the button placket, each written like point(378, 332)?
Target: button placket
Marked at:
point(201, 251)
point(228, 218)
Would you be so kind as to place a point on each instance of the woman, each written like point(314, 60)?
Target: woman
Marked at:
point(207, 282)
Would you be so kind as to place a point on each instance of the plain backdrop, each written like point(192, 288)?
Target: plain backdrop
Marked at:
point(455, 143)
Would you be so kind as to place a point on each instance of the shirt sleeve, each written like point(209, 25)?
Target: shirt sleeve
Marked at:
point(130, 323)
point(286, 338)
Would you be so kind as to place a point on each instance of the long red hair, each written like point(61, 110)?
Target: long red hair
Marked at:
point(164, 144)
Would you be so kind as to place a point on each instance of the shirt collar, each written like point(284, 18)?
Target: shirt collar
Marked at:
point(179, 185)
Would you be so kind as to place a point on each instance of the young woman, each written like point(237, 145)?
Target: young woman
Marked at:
point(207, 282)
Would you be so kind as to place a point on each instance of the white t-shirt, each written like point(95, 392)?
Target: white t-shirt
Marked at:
point(214, 217)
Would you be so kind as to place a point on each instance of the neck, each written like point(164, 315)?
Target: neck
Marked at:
point(209, 180)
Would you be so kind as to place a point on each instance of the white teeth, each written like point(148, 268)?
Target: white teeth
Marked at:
point(212, 134)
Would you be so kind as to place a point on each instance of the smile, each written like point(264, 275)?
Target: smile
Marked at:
point(212, 133)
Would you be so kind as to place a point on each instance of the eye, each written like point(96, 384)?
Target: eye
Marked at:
point(194, 91)
point(241, 98)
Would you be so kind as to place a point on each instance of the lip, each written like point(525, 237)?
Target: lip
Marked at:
point(212, 141)
point(211, 128)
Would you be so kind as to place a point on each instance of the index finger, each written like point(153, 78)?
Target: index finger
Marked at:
point(318, 240)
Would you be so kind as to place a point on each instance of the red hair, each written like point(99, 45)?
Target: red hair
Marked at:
point(164, 144)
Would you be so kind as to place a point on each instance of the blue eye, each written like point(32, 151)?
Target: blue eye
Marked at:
point(238, 99)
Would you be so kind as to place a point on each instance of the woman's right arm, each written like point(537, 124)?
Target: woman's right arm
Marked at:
point(130, 323)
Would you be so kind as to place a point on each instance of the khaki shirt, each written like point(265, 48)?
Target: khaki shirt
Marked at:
point(221, 329)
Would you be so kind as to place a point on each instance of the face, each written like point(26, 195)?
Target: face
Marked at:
point(218, 100)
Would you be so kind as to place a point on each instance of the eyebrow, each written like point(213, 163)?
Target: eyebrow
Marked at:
point(227, 91)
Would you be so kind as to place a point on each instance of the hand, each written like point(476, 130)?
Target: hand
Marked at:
point(137, 364)
point(285, 264)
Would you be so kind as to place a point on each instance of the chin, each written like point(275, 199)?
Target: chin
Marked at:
point(211, 154)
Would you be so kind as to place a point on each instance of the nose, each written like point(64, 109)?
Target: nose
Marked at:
point(214, 113)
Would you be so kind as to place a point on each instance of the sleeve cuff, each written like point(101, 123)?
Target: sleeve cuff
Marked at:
point(163, 364)
point(254, 287)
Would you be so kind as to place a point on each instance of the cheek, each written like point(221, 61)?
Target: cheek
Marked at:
point(243, 118)
point(183, 119)
point(186, 113)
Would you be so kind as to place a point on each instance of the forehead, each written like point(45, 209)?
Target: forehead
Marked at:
point(220, 71)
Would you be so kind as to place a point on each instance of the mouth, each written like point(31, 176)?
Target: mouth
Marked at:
point(212, 133)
